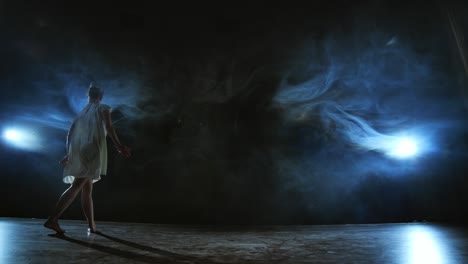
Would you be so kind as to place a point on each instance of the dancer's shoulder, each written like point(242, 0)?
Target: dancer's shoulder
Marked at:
point(104, 107)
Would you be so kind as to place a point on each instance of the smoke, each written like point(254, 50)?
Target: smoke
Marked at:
point(369, 93)
point(347, 101)
point(52, 94)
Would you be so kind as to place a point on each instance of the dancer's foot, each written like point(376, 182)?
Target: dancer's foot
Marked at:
point(94, 231)
point(54, 226)
point(92, 228)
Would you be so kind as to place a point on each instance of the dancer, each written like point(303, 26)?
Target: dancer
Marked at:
point(86, 158)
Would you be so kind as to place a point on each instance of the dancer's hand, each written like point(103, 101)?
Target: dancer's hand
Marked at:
point(64, 160)
point(124, 150)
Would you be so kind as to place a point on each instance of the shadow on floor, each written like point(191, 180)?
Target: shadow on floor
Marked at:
point(145, 248)
point(165, 256)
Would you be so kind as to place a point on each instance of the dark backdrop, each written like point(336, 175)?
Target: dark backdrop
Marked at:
point(195, 92)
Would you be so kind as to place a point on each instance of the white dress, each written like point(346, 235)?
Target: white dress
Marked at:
point(87, 147)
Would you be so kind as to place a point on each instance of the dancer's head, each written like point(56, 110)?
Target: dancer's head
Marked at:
point(95, 93)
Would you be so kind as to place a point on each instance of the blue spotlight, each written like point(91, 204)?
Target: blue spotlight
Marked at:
point(12, 135)
point(403, 147)
point(22, 139)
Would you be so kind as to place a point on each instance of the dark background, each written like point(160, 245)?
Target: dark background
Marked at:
point(194, 88)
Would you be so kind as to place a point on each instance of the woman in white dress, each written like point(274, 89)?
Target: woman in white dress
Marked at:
point(86, 158)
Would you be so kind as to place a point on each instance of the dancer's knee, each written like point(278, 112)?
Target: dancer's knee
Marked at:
point(87, 187)
point(78, 183)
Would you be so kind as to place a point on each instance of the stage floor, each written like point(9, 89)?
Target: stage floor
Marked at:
point(27, 241)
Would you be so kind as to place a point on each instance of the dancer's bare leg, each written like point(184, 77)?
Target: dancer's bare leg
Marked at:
point(87, 204)
point(64, 201)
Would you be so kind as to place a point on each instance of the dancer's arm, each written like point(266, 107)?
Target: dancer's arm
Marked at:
point(125, 151)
